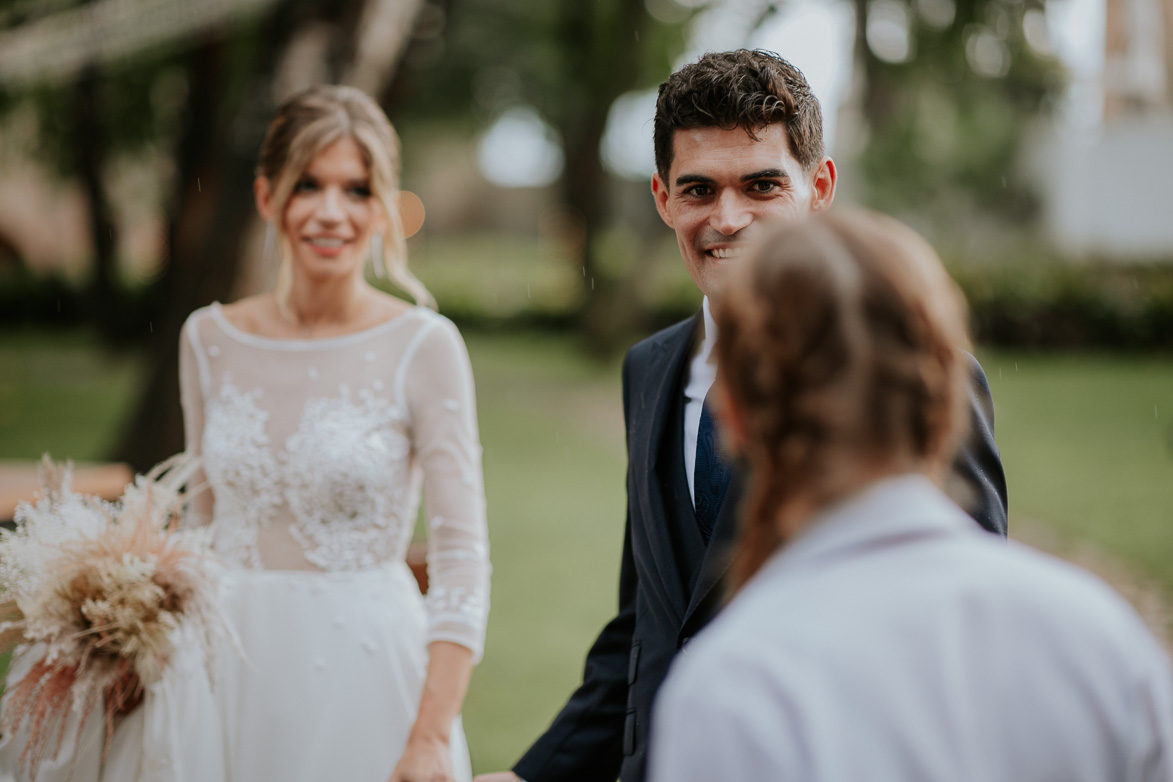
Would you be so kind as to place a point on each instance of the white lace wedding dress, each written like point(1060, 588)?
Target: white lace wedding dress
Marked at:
point(315, 451)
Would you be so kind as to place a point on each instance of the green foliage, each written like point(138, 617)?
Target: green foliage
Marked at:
point(493, 278)
point(54, 301)
point(493, 54)
point(133, 112)
point(498, 280)
point(944, 138)
point(1045, 302)
point(140, 97)
point(1032, 298)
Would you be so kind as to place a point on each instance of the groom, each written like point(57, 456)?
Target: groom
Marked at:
point(738, 140)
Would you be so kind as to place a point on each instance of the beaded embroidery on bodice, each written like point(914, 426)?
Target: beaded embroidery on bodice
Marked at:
point(342, 478)
point(315, 451)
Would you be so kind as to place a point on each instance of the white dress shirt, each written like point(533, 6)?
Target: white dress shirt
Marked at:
point(702, 371)
point(894, 641)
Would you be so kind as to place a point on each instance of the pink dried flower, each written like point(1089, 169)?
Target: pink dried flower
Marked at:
point(100, 590)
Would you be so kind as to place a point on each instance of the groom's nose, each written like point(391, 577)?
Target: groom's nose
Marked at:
point(730, 213)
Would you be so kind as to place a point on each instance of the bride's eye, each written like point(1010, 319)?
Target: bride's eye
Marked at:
point(305, 185)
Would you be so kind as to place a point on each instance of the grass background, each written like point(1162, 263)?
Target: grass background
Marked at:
point(1087, 442)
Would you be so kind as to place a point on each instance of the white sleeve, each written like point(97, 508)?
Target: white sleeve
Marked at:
point(192, 387)
point(712, 721)
point(442, 401)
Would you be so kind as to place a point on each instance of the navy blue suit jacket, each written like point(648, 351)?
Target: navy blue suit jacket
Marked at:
point(669, 582)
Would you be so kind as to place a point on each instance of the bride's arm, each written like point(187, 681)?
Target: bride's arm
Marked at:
point(438, 386)
point(427, 755)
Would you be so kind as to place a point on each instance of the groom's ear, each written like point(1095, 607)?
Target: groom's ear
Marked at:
point(823, 185)
point(660, 194)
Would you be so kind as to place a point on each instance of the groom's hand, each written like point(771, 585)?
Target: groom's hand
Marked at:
point(499, 776)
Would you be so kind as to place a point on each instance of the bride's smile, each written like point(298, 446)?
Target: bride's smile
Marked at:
point(331, 214)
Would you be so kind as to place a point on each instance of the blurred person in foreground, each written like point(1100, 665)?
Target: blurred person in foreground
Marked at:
point(739, 146)
point(876, 633)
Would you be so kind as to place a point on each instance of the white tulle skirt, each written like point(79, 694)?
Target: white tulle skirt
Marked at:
point(327, 689)
point(332, 681)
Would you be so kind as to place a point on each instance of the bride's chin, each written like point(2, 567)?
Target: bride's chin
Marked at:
point(325, 269)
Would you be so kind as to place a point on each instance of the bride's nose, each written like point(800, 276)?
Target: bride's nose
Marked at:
point(330, 207)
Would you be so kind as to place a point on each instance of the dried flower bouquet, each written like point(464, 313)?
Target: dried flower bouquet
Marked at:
point(101, 591)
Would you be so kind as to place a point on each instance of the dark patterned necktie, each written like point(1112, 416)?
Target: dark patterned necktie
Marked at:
point(710, 476)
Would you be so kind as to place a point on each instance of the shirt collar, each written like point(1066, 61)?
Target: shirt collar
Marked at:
point(892, 509)
point(709, 340)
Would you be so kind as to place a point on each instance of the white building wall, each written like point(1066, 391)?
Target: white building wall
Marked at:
point(1110, 194)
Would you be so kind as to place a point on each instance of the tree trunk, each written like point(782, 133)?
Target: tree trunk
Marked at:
point(380, 41)
point(90, 144)
point(601, 63)
point(212, 208)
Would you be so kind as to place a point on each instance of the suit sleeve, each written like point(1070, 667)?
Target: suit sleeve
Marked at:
point(584, 743)
point(977, 482)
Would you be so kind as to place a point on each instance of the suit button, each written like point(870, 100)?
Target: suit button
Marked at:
point(684, 643)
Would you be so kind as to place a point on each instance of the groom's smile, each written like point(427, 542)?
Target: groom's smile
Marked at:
point(723, 185)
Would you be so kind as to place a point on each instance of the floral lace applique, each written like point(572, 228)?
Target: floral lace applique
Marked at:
point(344, 476)
point(242, 471)
point(347, 479)
point(456, 606)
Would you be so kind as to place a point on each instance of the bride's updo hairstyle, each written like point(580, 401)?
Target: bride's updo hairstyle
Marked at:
point(840, 346)
point(305, 125)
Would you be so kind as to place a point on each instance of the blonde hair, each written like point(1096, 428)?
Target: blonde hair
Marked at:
point(309, 122)
point(841, 346)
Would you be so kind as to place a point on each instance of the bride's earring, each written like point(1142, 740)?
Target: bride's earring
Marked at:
point(377, 255)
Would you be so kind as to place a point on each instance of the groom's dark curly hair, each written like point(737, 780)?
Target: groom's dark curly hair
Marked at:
point(746, 89)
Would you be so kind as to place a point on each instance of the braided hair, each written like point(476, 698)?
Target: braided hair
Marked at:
point(840, 346)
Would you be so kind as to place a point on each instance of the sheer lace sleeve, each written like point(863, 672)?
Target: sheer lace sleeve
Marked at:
point(193, 380)
point(438, 387)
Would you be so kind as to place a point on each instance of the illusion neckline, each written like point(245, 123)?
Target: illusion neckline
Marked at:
point(304, 343)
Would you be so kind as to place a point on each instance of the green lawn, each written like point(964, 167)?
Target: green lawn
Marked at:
point(1085, 441)
point(552, 430)
point(62, 394)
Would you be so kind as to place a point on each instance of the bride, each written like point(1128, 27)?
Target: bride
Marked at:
point(319, 409)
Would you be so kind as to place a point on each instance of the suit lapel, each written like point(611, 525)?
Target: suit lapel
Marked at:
point(663, 374)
